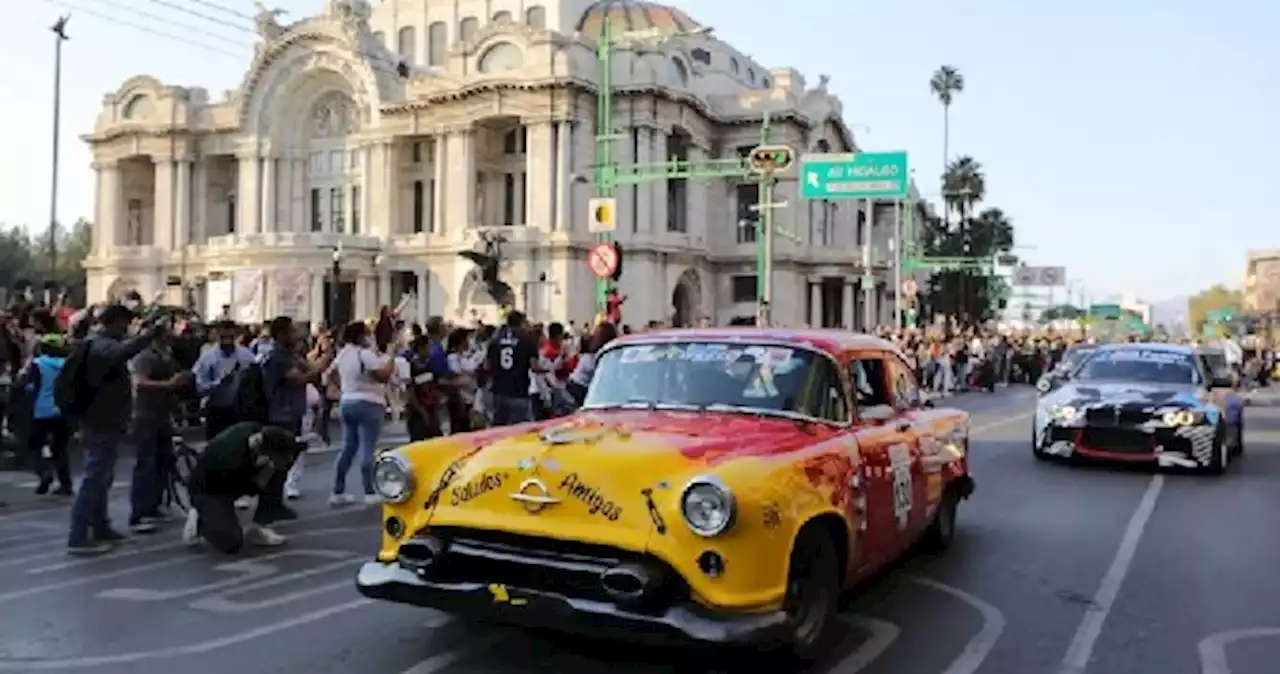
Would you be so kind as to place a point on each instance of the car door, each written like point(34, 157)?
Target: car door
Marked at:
point(914, 495)
point(880, 441)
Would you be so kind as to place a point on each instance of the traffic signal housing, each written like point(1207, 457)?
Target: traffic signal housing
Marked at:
point(617, 272)
point(771, 158)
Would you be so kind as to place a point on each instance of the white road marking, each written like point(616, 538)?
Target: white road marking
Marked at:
point(119, 573)
point(883, 634)
point(983, 428)
point(1213, 648)
point(1081, 648)
point(979, 647)
point(182, 651)
point(246, 572)
point(440, 661)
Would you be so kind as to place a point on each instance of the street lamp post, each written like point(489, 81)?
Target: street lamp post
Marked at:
point(336, 272)
point(60, 32)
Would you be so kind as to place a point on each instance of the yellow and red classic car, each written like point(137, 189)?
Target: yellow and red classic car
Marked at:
point(717, 486)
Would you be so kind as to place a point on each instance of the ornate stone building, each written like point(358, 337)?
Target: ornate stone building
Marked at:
point(377, 142)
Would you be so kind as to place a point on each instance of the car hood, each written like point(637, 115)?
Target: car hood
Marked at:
point(600, 477)
point(1122, 392)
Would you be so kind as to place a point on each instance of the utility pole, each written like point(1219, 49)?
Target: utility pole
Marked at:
point(60, 32)
point(609, 174)
point(896, 250)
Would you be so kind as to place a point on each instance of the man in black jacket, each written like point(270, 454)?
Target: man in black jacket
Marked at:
point(103, 426)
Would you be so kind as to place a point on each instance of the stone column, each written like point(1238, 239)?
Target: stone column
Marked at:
point(248, 194)
point(815, 303)
point(422, 301)
point(370, 177)
point(438, 183)
point(300, 199)
point(182, 204)
point(200, 202)
point(562, 176)
point(384, 290)
point(644, 201)
point(698, 192)
point(659, 187)
point(268, 190)
point(848, 313)
point(163, 221)
point(627, 196)
point(461, 194)
point(582, 142)
point(315, 308)
point(108, 228)
point(540, 156)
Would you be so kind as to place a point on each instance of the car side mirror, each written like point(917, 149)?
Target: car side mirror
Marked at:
point(877, 414)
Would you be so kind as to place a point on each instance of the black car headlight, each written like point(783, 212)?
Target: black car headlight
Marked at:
point(1177, 418)
point(393, 478)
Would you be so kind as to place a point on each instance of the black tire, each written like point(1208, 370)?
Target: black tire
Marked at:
point(813, 594)
point(1221, 458)
point(942, 530)
point(1036, 450)
point(1237, 448)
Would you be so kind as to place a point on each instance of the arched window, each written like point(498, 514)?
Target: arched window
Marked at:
point(501, 56)
point(468, 28)
point(138, 107)
point(701, 56)
point(764, 82)
point(437, 43)
point(404, 44)
point(502, 17)
point(733, 66)
point(751, 75)
point(536, 16)
point(678, 72)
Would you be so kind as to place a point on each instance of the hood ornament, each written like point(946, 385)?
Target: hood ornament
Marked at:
point(534, 496)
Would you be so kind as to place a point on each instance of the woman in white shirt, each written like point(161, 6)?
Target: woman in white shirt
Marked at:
point(362, 374)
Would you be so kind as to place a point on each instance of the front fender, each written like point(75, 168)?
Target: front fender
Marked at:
point(775, 497)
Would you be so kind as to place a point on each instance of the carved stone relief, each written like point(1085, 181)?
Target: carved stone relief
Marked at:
point(334, 115)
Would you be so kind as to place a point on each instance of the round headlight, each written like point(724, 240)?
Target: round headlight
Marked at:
point(707, 506)
point(392, 478)
point(1179, 418)
point(1065, 412)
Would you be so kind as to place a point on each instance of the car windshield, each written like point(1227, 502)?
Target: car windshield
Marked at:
point(1075, 356)
point(703, 374)
point(1216, 361)
point(1141, 365)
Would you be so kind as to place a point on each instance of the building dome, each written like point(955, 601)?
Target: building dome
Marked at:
point(635, 15)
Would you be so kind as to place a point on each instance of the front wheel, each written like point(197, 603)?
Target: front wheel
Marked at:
point(942, 530)
point(813, 593)
point(1221, 453)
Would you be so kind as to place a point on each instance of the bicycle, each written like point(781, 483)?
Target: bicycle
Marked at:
point(176, 489)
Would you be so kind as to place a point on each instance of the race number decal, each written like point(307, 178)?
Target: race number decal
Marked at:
point(900, 465)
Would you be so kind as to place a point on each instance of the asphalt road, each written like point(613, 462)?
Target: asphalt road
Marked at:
point(1057, 570)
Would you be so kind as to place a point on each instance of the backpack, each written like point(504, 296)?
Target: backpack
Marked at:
point(242, 394)
point(71, 392)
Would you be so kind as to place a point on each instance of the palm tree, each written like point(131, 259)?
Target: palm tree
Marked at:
point(964, 183)
point(945, 84)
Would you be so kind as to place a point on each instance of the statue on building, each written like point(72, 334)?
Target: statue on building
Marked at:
point(488, 261)
point(266, 21)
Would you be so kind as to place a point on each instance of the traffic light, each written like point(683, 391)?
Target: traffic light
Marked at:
point(771, 158)
point(617, 272)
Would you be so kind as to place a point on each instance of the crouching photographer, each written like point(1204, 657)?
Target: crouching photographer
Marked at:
point(246, 459)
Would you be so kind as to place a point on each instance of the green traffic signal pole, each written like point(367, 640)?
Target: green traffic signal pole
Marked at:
point(610, 174)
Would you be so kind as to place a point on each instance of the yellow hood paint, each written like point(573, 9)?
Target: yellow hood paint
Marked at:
point(603, 478)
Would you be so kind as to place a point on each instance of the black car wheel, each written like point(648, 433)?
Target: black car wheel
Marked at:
point(942, 530)
point(1221, 457)
point(1237, 447)
point(1036, 450)
point(813, 593)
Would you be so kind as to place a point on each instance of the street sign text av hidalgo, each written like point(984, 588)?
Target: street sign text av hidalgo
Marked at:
point(855, 175)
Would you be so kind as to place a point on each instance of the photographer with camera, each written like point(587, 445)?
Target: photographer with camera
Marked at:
point(95, 388)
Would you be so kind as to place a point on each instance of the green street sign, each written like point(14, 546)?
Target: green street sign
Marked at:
point(1105, 310)
point(862, 175)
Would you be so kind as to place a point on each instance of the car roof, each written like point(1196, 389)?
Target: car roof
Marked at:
point(1151, 346)
point(830, 340)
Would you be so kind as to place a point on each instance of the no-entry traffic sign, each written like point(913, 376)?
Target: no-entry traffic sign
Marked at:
point(602, 258)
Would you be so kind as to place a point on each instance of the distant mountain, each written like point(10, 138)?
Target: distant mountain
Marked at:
point(1170, 312)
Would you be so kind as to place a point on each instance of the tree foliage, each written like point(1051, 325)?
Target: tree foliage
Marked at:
point(967, 233)
point(1217, 298)
point(25, 257)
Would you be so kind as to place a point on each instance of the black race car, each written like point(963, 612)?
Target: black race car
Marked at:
point(1155, 403)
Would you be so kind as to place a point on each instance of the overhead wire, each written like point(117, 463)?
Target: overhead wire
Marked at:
point(222, 8)
point(146, 29)
point(201, 15)
point(175, 24)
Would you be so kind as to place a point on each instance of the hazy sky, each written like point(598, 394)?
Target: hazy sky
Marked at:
point(1128, 139)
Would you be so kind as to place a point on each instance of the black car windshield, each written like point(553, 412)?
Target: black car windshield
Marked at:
point(1075, 356)
point(1141, 365)
point(700, 374)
